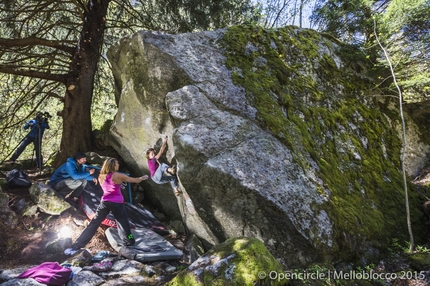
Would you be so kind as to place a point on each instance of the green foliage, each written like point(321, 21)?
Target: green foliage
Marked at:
point(420, 248)
point(16, 109)
point(350, 21)
point(39, 39)
point(402, 26)
point(397, 247)
point(405, 27)
point(22, 96)
point(401, 13)
point(173, 16)
point(104, 106)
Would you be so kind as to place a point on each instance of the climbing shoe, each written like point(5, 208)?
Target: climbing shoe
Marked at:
point(99, 256)
point(178, 192)
point(71, 251)
point(173, 169)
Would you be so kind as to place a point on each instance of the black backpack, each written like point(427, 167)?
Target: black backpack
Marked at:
point(17, 178)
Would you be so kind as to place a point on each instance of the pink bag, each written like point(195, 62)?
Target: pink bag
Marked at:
point(51, 273)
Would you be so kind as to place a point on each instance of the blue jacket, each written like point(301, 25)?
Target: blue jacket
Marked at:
point(34, 132)
point(70, 169)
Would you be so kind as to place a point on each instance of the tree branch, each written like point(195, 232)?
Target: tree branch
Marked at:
point(402, 159)
point(33, 41)
point(35, 74)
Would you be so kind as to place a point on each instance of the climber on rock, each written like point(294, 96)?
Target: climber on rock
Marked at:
point(162, 173)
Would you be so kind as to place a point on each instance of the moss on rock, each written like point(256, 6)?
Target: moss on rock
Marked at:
point(237, 261)
point(419, 260)
point(312, 94)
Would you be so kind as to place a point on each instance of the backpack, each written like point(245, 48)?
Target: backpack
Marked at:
point(17, 178)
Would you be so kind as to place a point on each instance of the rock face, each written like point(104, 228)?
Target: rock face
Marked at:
point(47, 199)
point(276, 136)
point(6, 215)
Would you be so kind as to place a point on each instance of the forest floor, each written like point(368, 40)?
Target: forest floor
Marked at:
point(25, 244)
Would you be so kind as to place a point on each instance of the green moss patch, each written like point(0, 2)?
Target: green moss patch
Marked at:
point(419, 260)
point(237, 261)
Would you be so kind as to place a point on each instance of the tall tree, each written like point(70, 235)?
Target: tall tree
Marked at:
point(403, 27)
point(351, 21)
point(53, 47)
point(44, 43)
point(406, 33)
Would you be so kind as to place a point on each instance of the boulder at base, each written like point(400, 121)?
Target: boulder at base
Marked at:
point(237, 261)
point(47, 199)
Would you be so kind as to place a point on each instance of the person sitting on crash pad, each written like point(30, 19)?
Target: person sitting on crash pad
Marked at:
point(162, 173)
point(70, 179)
point(112, 201)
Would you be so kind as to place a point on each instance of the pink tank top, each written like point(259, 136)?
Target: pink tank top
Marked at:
point(152, 166)
point(111, 191)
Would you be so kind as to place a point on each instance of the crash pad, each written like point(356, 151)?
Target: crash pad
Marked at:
point(149, 246)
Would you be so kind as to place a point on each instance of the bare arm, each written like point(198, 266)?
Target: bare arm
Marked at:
point(118, 178)
point(163, 146)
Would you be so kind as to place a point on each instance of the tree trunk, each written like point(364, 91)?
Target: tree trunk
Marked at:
point(76, 114)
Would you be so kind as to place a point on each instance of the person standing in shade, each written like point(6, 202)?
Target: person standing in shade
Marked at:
point(70, 179)
point(37, 128)
point(162, 173)
point(112, 201)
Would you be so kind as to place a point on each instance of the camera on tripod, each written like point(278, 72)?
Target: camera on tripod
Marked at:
point(43, 116)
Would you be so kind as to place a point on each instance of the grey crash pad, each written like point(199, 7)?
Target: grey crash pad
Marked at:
point(149, 245)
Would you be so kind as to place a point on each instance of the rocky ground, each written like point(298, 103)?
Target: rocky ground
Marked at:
point(24, 245)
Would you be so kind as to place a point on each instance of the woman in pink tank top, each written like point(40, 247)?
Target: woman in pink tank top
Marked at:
point(112, 201)
point(162, 173)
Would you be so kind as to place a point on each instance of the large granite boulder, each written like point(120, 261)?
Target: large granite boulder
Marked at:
point(276, 134)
